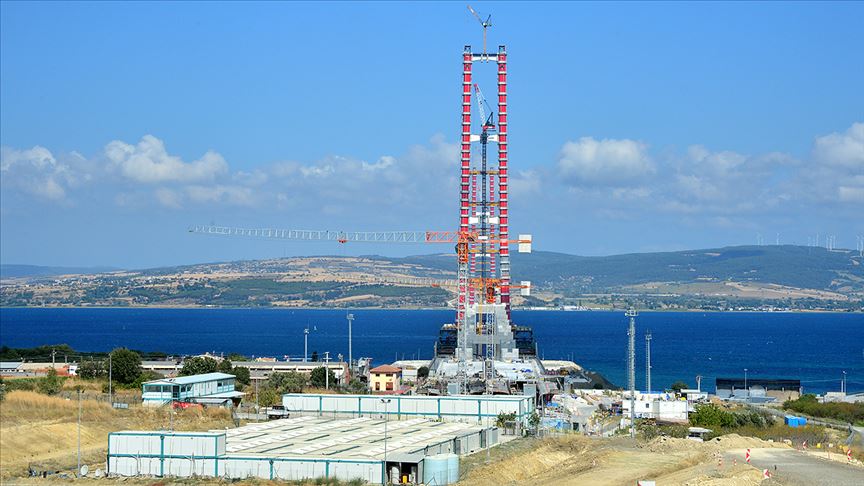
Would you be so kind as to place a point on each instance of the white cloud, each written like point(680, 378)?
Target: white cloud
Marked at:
point(149, 162)
point(607, 161)
point(841, 150)
point(35, 171)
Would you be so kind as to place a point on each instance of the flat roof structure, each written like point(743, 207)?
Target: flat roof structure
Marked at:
point(192, 379)
point(297, 448)
point(357, 438)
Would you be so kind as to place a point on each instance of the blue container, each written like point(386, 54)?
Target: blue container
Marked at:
point(802, 421)
point(435, 469)
point(791, 420)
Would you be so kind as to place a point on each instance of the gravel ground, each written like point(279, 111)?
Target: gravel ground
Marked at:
point(795, 468)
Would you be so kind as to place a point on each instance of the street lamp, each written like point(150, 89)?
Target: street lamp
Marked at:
point(306, 343)
point(350, 318)
point(386, 402)
point(843, 388)
point(746, 390)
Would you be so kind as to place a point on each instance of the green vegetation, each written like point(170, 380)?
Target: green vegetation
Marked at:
point(423, 372)
point(678, 386)
point(91, 369)
point(51, 384)
point(710, 415)
point(319, 376)
point(846, 412)
point(504, 418)
point(126, 366)
point(199, 365)
point(43, 353)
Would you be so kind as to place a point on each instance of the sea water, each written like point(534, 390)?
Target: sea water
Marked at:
point(813, 347)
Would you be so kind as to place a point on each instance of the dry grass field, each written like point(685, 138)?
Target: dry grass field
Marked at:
point(42, 430)
point(575, 459)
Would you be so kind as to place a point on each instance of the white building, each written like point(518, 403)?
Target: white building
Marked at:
point(207, 389)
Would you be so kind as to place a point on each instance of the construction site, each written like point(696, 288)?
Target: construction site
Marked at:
point(490, 412)
point(482, 351)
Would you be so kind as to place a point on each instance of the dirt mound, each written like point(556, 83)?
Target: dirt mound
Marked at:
point(735, 441)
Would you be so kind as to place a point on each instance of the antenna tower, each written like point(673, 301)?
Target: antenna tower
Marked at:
point(648, 361)
point(631, 365)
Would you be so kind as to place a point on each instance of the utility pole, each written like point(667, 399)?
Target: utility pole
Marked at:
point(53, 354)
point(306, 344)
point(386, 402)
point(326, 370)
point(699, 382)
point(350, 318)
point(843, 388)
point(648, 361)
point(746, 389)
point(110, 382)
point(631, 362)
point(78, 472)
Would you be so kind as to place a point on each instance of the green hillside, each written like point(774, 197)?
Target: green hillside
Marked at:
point(787, 265)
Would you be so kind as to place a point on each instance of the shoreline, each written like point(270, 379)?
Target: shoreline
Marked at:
point(281, 308)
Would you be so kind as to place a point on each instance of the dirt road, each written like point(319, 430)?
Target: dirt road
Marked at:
point(795, 468)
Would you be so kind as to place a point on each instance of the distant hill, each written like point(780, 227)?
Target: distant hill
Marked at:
point(16, 271)
point(741, 277)
point(786, 265)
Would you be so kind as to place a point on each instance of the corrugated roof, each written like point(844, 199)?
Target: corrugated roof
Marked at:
point(189, 380)
point(385, 369)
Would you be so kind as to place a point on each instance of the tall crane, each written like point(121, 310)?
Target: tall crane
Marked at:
point(485, 23)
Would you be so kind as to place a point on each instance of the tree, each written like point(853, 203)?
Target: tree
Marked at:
point(2, 389)
point(678, 386)
point(290, 382)
point(199, 365)
point(314, 357)
point(318, 377)
point(51, 383)
point(242, 374)
point(423, 372)
point(224, 366)
point(92, 369)
point(125, 366)
point(268, 397)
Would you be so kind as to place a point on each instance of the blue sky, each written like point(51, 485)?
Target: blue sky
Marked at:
point(634, 126)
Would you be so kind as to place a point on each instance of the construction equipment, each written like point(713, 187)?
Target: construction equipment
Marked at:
point(483, 323)
point(485, 23)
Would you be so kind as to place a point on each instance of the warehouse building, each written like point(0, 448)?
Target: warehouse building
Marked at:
point(758, 389)
point(303, 448)
point(450, 408)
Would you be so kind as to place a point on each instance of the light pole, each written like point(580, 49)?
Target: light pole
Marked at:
point(350, 318)
point(386, 402)
point(326, 370)
point(78, 472)
point(110, 387)
point(746, 389)
point(306, 344)
point(843, 388)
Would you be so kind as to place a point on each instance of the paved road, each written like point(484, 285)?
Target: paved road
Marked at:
point(798, 469)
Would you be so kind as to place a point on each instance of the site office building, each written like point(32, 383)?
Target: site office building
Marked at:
point(206, 389)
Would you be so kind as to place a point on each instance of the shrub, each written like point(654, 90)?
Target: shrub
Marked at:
point(92, 369)
point(290, 382)
point(51, 384)
point(846, 412)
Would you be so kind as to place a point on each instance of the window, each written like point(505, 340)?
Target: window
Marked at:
point(390, 386)
point(377, 386)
